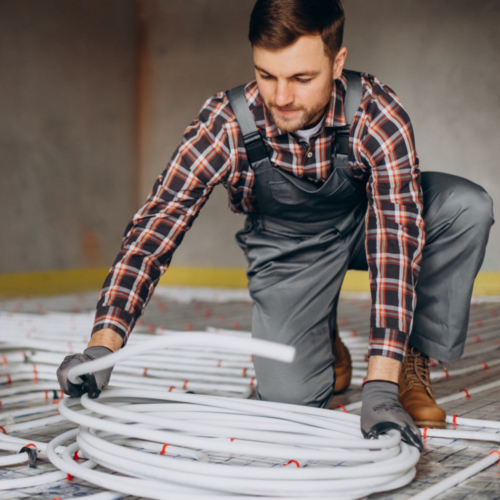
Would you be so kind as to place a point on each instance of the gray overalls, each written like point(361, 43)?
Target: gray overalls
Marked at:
point(304, 239)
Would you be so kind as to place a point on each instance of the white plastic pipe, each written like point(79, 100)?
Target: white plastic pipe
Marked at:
point(384, 474)
point(457, 478)
point(281, 425)
point(272, 350)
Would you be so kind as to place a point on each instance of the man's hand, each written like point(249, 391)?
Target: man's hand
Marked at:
point(93, 383)
point(381, 412)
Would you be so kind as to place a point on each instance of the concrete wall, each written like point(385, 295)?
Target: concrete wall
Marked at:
point(442, 59)
point(67, 121)
point(194, 50)
point(440, 56)
point(96, 95)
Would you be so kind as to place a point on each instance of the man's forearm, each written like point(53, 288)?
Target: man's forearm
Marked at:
point(106, 338)
point(383, 368)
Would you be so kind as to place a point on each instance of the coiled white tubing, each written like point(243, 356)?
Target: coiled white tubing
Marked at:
point(189, 422)
point(122, 427)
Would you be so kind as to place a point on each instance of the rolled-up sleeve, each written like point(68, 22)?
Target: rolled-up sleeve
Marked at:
point(395, 233)
point(202, 161)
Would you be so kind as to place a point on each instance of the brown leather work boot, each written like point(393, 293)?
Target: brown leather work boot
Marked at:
point(415, 393)
point(342, 364)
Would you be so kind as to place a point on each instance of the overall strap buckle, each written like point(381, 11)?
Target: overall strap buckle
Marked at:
point(256, 149)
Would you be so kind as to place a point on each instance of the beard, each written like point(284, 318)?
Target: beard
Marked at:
point(305, 117)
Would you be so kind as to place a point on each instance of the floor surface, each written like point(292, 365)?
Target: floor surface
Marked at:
point(441, 458)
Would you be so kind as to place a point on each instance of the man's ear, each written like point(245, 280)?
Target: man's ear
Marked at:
point(338, 64)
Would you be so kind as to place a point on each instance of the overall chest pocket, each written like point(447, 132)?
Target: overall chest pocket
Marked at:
point(291, 191)
point(287, 193)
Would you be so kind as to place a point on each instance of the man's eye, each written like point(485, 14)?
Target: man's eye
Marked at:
point(303, 80)
point(266, 77)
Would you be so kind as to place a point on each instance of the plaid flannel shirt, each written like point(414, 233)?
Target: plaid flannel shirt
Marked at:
point(381, 153)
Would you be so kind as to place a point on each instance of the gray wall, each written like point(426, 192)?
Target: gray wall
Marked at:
point(440, 56)
point(198, 48)
point(96, 95)
point(67, 80)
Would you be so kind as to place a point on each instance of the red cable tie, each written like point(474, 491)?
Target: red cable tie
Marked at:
point(219, 363)
point(3, 430)
point(185, 384)
point(35, 374)
point(70, 477)
point(497, 452)
point(467, 395)
point(9, 380)
point(486, 367)
point(244, 372)
point(292, 462)
point(162, 452)
point(251, 359)
point(425, 432)
point(252, 382)
point(455, 420)
point(61, 395)
point(31, 444)
point(343, 408)
point(4, 359)
point(172, 387)
point(446, 374)
point(477, 338)
point(46, 394)
point(354, 333)
point(75, 456)
point(232, 439)
point(494, 313)
point(145, 372)
point(479, 323)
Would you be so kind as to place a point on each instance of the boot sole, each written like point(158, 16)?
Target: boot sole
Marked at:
point(431, 424)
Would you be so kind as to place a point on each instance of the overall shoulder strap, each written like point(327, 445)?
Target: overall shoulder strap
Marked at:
point(352, 101)
point(254, 144)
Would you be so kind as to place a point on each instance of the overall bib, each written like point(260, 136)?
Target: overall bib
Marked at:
point(304, 239)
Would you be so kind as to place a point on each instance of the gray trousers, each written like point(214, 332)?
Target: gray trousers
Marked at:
point(296, 272)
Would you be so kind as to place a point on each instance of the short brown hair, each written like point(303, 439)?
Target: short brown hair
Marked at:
point(276, 24)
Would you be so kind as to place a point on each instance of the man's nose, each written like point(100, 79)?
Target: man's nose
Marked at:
point(284, 96)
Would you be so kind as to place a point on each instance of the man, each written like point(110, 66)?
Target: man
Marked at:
point(323, 162)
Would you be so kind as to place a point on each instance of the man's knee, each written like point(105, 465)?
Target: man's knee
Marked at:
point(458, 199)
point(293, 384)
point(475, 201)
point(296, 395)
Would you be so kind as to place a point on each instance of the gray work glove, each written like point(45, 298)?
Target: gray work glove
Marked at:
point(93, 383)
point(381, 412)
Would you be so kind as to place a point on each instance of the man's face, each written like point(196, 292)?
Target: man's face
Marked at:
point(296, 82)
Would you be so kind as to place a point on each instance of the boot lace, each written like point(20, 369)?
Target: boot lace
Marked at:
point(416, 368)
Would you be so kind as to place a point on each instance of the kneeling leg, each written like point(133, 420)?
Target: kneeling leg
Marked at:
point(458, 215)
